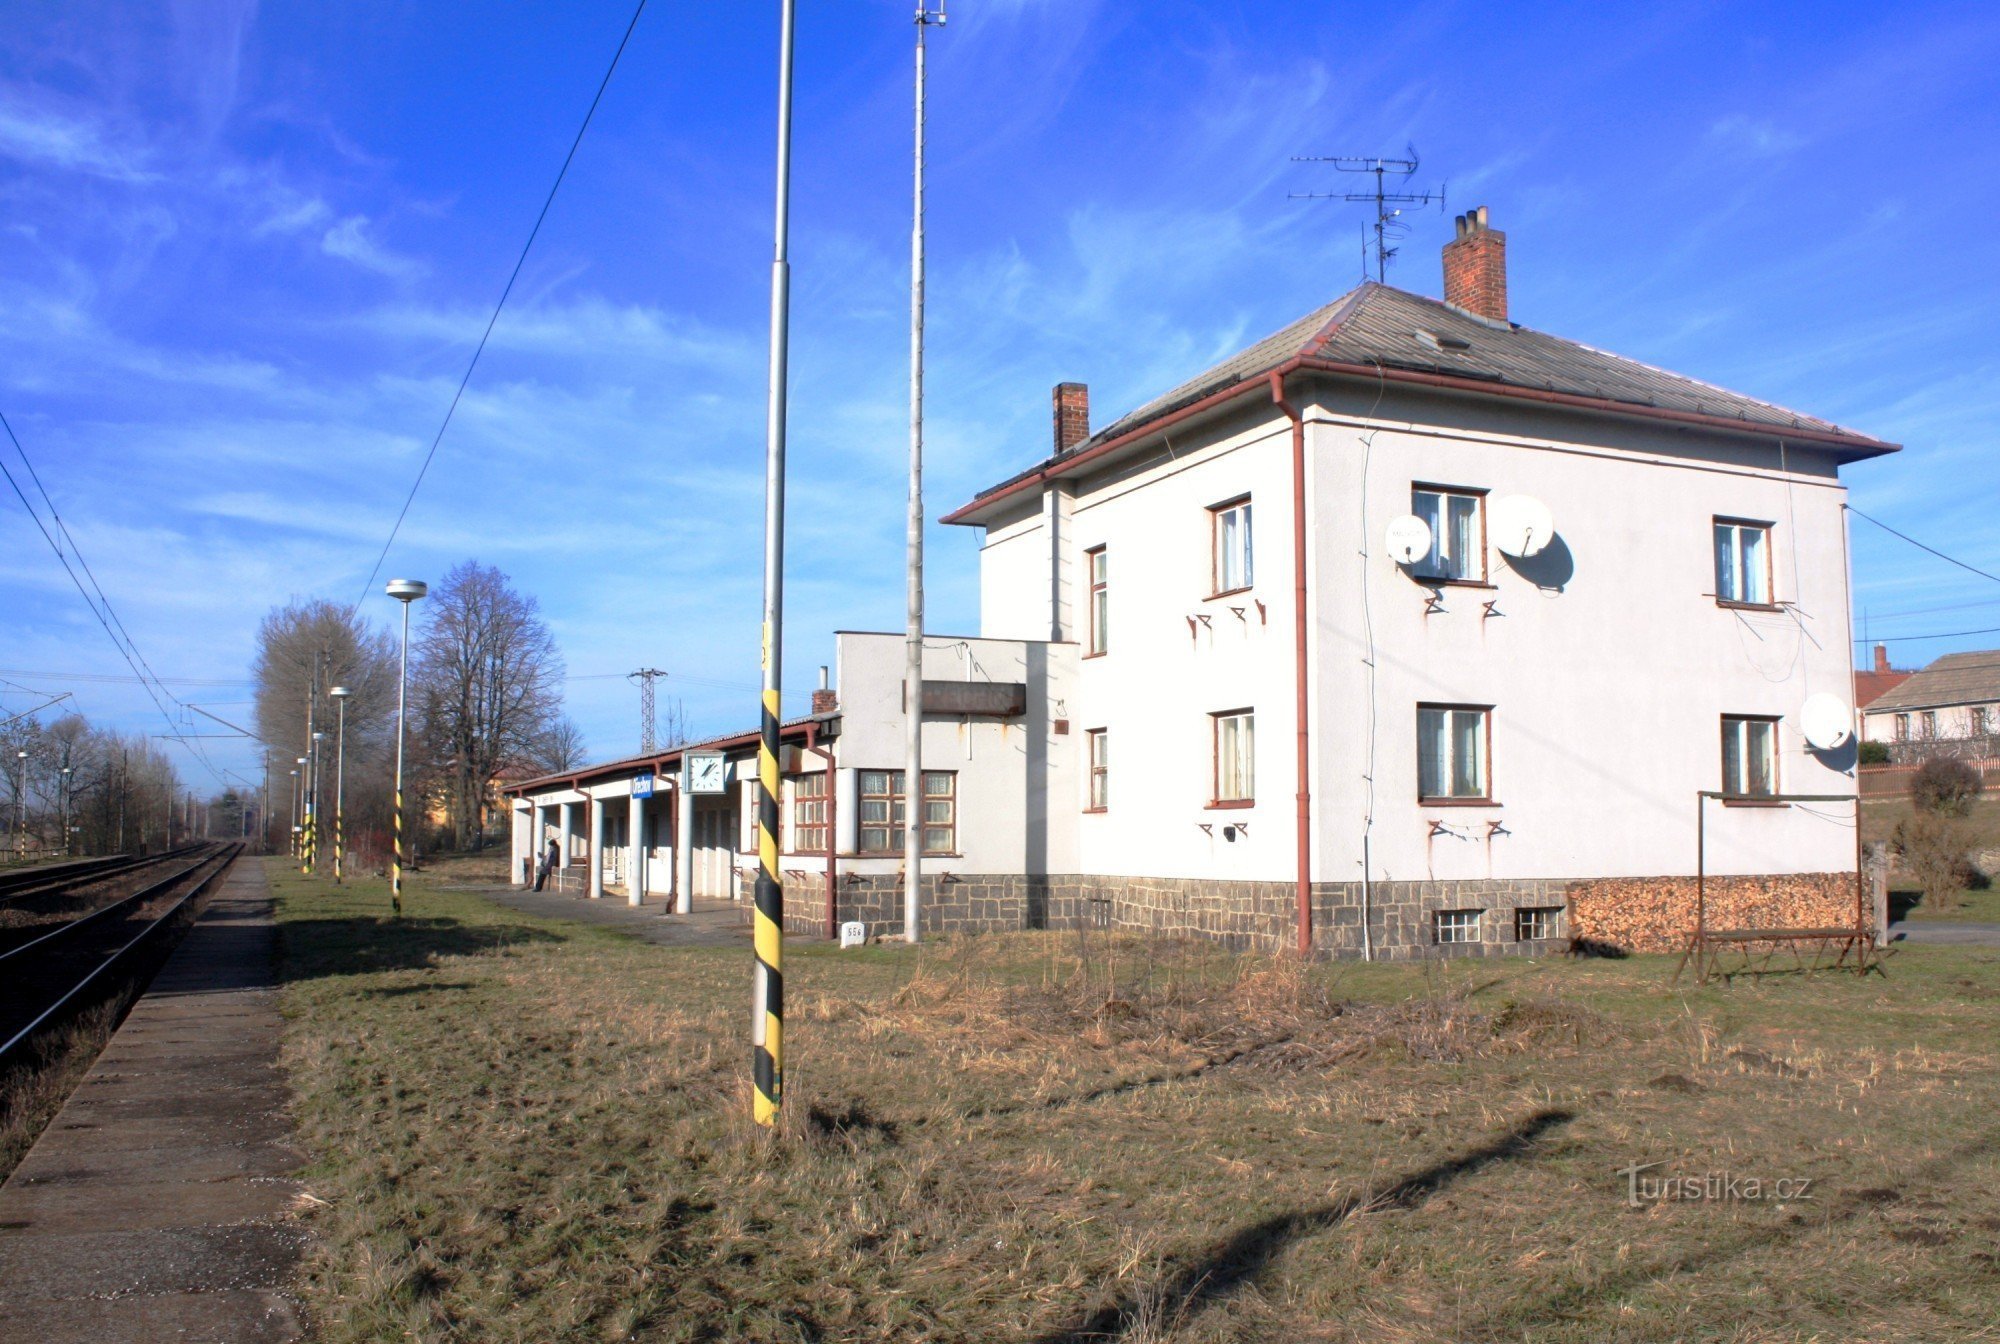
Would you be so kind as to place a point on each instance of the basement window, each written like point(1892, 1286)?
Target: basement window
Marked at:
point(1536, 923)
point(1456, 926)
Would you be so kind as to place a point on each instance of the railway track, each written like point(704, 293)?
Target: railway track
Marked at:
point(70, 878)
point(47, 976)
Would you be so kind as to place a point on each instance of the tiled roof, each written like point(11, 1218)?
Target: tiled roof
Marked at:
point(1871, 686)
point(1955, 679)
point(1379, 327)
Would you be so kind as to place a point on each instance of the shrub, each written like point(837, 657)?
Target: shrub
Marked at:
point(1945, 786)
point(1931, 847)
point(1874, 753)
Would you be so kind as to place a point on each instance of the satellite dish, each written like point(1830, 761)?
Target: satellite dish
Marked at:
point(1827, 721)
point(1408, 539)
point(1521, 526)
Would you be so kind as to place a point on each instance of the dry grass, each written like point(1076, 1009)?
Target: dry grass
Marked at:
point(529, 1131)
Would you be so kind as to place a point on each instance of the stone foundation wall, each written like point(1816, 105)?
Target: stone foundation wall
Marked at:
point(1657, 914)
point(1248, 915)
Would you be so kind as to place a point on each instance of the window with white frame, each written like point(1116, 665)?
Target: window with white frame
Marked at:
point(1100, 769)
point(1100, 599)
point(1229, 525)
point(1235, 745)
point(1749, 756)
point(809, 814)
point(1927, 725)
point(1534, 923)
point(1743, 561)
point(1457, 520)
point(1455, 926)
point(1902, 727)
point(883, 811)
point(1982, 721)
point(1452, 747)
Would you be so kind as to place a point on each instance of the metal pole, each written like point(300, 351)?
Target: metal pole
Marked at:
point(913, 674)
point(767, 1057)
point(21, 812)
point(402, 698)
point(310, 775)
point(340, 799)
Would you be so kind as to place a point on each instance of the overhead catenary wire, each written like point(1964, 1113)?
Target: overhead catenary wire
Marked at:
point(514, 275)
point(1948, 559)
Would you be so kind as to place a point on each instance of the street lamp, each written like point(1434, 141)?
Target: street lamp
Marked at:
point(298, 832)
point(62, 799)
point(313, 754)
point(21, 810)
point(340, 694)
point(405, 591)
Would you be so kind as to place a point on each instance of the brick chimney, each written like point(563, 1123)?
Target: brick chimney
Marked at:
point(1072, 414)
point(1882, 658)
point(1475, 268)
point(824, 700)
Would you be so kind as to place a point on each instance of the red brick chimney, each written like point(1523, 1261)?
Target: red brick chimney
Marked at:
point(1475, 268)
point(1882, 658)
point(1072, 408)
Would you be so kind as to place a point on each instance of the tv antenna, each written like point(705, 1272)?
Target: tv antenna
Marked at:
point(1388, 228)
point(648, 722)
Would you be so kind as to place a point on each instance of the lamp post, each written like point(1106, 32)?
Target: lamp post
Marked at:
point(317, 752)
point(62, 803)
point(405, 591)
point(340, 694)
point(21, 810)
point(295, 809)
point(303, 847)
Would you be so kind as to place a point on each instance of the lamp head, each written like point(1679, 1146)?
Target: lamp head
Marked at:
point(407, 590)
point(339, 692)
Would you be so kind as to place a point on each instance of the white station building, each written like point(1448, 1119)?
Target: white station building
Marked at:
point(1386, 634)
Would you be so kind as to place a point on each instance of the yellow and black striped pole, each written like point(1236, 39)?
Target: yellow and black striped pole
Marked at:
point(405, 591)
point(767, 1052)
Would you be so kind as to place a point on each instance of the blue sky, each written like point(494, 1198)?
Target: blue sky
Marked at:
point(245, 253)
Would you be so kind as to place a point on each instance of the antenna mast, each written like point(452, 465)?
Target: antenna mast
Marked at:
point(1388, 227)
point(648, 720)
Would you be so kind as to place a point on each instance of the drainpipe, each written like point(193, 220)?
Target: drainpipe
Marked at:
point(1302, 685)
point(832, 830)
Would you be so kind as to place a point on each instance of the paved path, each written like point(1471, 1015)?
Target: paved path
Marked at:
point(1939, 931)
point(154, 1207)
point(713, 923)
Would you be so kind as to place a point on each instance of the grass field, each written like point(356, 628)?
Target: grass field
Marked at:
point(525, 1130)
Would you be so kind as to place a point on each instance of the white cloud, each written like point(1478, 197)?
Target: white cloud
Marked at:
point(48, 139)
point(349, 241)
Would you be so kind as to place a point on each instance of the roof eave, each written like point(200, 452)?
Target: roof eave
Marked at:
point(1857, 447)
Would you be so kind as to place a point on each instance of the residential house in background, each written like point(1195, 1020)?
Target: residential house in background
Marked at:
point(1872, 683)
point(1951, 707)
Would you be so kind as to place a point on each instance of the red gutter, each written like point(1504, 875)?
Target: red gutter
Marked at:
point(1301, 682)
point(832, 830)
point(1379, 373)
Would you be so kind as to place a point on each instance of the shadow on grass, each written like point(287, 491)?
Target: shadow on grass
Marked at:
point(1204, 1280)
point(314, 948)
point(424, 987)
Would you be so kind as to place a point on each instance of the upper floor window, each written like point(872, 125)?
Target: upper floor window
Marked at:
point(1229, 525)
point(809, 814)
point(1743, 561)
point(1452, 750)
point(1100, 769)
point(1457, 521)
point(1749, 756)
point(1235, 754)
point(1100, 599)
point(883, 811)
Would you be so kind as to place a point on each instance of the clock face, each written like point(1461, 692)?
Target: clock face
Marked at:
point(706, 773)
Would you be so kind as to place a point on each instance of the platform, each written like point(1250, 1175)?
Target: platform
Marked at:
point(157, 1204)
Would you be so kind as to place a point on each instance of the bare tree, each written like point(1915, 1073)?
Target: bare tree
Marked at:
point(560, 747)
point(675, 728)
point(488, 681)
point(303, 650)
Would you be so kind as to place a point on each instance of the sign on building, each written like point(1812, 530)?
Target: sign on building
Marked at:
point(642, 785)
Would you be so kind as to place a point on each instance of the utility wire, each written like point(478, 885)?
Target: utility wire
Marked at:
point(108, 616)
point(1907, 639)
point(1974, 569)
point(486, 335)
